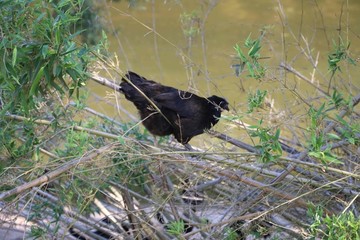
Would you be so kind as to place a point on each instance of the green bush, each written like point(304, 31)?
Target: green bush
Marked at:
point(42, 57)
point(335, 227)
point(40, 52)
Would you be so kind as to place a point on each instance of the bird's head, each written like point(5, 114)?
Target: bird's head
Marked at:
point(219, 102)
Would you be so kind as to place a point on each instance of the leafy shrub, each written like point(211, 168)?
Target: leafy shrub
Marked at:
point(343, 226)
point(40, 52)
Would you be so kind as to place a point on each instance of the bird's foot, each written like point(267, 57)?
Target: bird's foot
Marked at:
point(188, 147)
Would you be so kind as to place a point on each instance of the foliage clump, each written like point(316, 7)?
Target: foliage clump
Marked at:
point(41, 52)
point(342, 226)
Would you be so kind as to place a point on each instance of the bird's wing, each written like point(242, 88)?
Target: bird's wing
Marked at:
point(184, 104)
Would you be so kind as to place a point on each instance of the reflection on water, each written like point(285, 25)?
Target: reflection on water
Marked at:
point(300, 33)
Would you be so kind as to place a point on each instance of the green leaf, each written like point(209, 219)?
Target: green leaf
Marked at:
point(14, 56)
point(325, 156)
point(57, 37)
point(351, 61)
point(240, 53)
point(351, 140)
point(319, 155)
point(36, 81)
point(333, 136)
point(121, 140)
point(250, 69)
point(16, 79)
point(253, 127)
point(73, 74)
point(277, 133)
point(248, 41)
point(57, 70)
point(75, 34)
point(331, 159)
point(63, 3)
point(44, 50)
point(57, 87)
point(254, 49)
point(70, 49)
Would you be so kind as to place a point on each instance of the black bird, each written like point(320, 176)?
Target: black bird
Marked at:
point(182, 113)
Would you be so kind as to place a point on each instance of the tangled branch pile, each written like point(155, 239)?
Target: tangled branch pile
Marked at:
point(69, 172)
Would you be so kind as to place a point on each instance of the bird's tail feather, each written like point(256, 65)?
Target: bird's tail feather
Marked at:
point(133, 94)
point(135, 78)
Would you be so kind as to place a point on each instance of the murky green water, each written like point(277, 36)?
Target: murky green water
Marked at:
point(295, 29)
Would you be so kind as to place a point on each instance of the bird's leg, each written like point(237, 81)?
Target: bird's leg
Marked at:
point(156, 142)
point(188, 147)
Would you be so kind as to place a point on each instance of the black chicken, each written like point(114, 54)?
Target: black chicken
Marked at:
point(182, 114)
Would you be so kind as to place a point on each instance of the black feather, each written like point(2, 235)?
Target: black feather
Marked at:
point(183, 114)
